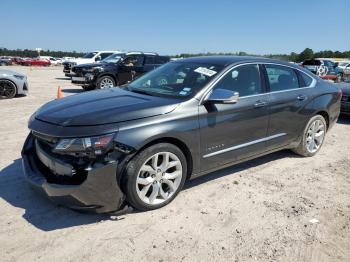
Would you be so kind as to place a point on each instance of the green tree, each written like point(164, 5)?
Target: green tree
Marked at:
point(308, 53)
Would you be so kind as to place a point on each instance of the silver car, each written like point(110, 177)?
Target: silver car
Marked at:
point(12, 84)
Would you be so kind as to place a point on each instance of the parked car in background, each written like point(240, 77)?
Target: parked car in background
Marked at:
point(138, 144)
point(36, 62)
point(5, 61)
point(52, 60)
point(110, 73)
point(326, 69)
point(346, 73)
point(342, 64)
point(12, 83)
point(345, 100)
point(92, 57)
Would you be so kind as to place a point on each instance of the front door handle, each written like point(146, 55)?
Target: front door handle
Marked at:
point(301, 97)
point(260, 103)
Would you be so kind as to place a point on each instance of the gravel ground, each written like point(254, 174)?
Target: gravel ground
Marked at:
point(256, 211)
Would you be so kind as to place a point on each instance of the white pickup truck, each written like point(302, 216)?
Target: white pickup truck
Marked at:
point(91, 57)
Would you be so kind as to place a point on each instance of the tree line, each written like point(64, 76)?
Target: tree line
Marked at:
point(34, 53)
point(307, 53)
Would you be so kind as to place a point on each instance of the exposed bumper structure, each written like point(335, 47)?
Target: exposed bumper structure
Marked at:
point(98, 192)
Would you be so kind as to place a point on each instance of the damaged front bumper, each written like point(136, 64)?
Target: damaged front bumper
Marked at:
point(98, 192)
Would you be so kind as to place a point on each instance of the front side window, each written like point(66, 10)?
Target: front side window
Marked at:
point(133, 60)
point(243, 79)
point(281, 78)
point(176, 79)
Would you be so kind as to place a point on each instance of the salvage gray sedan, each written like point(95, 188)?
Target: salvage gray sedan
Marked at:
point(138, 144)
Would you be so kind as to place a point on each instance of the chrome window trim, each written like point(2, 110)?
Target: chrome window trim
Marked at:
point(264, 139)
point(203, 94)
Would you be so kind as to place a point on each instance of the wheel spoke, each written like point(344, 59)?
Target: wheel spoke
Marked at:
point(155, 192)
point(144, 191)
point(162, 193)
point(144, 181)
point(155, 161)
point(172, 175)
point(172, 164)
point(165, 162)
point(170, 184)
point(148, 169)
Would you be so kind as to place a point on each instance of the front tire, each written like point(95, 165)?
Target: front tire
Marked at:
point(7, 89)
point(155, 176)
point(313, 137)
point(105, 82)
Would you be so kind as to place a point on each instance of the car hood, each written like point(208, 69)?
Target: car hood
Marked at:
point(103, 107)
point(6, 72)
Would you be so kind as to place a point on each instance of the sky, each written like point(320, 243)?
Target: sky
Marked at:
point(176, 26)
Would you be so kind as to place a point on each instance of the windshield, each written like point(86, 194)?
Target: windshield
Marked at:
point(90, 55)
point(112, 58)
point(343, 63)
point(176, 79)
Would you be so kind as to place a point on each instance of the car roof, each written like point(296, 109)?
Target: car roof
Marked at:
point(228, 60)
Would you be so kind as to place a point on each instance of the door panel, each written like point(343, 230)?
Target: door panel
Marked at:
point(287, 108)
point(226, 127)
point(230, 132)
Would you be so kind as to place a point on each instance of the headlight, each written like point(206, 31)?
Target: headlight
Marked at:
point(19, 77)
point(94, 145)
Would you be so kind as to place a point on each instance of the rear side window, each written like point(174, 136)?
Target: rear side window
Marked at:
point(281, 78)
point(162, 59)
point(150, 60)
point(307, 80)
point(243, 79)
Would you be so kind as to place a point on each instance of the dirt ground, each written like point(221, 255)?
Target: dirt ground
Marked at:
point(256, 211)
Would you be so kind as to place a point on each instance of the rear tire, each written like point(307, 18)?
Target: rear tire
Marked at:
point(155, 176)
point(313, 137)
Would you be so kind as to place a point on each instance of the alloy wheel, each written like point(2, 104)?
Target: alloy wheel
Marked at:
point(315, 136)
point(106, 83)
point(159, 178)
point(7, 89)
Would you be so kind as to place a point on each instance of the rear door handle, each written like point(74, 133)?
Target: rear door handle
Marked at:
point(301, 97)
point(260, 103)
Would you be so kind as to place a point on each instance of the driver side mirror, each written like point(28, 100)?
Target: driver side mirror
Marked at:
point(98, 58)
point(223, 96)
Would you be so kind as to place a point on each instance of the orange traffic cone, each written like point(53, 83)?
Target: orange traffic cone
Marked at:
point(59, 93)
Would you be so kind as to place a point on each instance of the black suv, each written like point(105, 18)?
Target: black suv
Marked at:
point(114, 73)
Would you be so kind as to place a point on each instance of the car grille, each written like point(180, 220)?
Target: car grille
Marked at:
point(76, 70)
